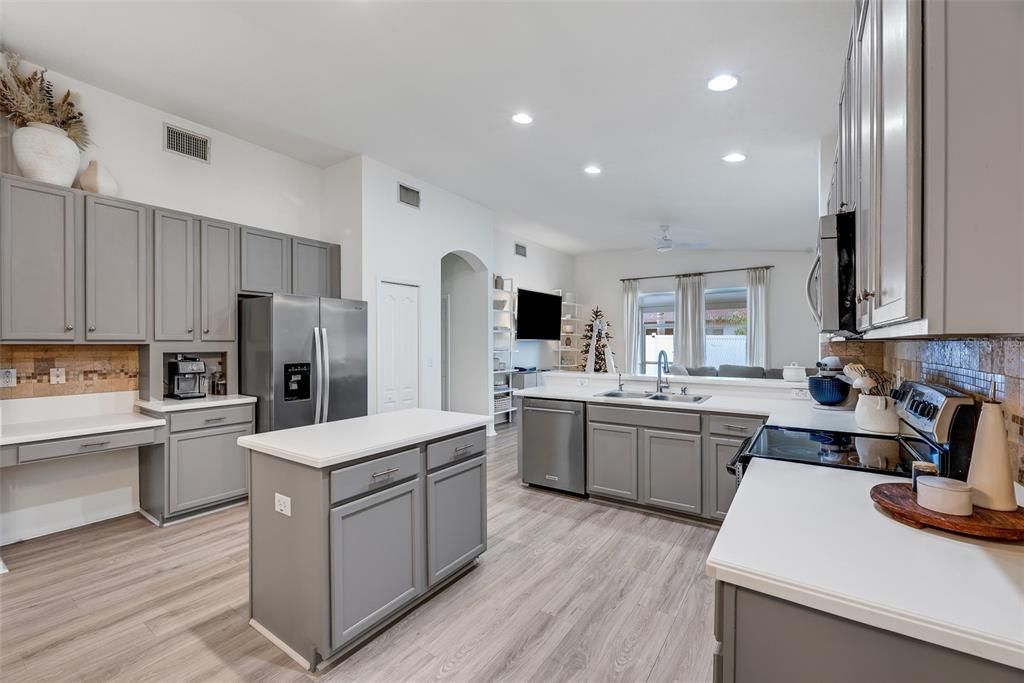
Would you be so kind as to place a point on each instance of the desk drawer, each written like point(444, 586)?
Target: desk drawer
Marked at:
point(85, 444)
point(210, 417)
point(350, 482)
point(456, 448)
point(740, 427)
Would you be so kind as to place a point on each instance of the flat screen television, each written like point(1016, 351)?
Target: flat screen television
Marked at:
point(538, 315)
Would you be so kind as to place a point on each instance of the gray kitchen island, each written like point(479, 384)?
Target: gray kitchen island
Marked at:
point(354, 522)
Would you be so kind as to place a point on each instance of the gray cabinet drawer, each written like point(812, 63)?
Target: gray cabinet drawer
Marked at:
point(212, 417)
point(350, 482)
point(85, 444)
point(727, 425)
point(676, 420)
point(456, 448)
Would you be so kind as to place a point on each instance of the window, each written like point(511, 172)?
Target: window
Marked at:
point(725, 326)
point(657, 315)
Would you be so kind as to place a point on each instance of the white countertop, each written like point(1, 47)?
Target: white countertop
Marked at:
point(173, 405)
point(812, 535)
point(334, 443)
point(66, 427)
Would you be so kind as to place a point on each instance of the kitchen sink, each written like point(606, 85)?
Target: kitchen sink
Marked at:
point(678, 398)
point(625, 394)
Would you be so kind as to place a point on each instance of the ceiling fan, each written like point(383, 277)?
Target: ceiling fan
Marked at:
point(664, 243)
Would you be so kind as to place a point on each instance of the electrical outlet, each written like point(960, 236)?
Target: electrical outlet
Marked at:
point(283, 504)
point(8, 377)
point(57, 376)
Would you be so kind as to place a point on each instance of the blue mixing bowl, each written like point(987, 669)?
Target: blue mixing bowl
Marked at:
point(828, 391)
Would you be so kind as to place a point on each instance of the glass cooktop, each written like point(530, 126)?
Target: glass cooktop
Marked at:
point(874, 453)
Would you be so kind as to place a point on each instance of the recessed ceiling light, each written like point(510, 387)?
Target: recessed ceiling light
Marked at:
point(592, 170)
point(522, 118)
point(734, 157)
point(723, 82)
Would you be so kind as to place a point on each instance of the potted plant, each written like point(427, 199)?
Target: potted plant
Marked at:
point(50, 132)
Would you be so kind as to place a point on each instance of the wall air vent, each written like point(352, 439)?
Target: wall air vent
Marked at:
point(409, 196)
point(186, 143)
point(520, 250)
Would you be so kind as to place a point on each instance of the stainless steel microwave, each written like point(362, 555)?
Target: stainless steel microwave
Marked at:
point(832, 281)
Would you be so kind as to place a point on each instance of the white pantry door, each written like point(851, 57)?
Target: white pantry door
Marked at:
point(398, 346)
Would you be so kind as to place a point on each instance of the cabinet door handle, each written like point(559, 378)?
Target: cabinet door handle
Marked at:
point(189, 330)
point(93, 444)
point(68, 327)
point(216, 419)
point(735, 428)
point(390, 470)
point(206, 330)
point(92, 328)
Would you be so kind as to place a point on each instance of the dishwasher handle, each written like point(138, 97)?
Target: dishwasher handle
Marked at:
point(552, 410)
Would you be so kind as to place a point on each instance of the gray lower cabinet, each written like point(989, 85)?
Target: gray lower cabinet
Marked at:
point(376, 558)
point(315, 268)
point(612, 460)
point(174, 271)
point(37, 261)
point(722, 485)
point(116, 291)
point(218, 280)
point(456, 517)
point(206, 466)
point(670, 470)
point(266, 261)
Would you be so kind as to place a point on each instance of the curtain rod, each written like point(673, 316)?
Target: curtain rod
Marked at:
point(705, 272)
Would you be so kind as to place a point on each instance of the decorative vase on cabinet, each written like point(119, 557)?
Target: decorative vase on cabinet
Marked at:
point(96, 178)
point(46, 153)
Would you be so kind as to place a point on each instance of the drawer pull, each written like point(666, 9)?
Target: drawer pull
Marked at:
point(94, 444)
point(459, 450)
point(216, 419)
point(735, 428)
point(390, 470)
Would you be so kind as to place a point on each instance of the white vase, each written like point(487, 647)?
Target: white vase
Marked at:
point(990, 476)
point(96, 178)
point(44, 152)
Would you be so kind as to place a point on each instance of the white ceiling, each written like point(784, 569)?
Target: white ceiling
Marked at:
point(430, 88)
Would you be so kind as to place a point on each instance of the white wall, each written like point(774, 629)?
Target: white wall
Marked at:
point(543, 270)
point(243, 182)
point(791, 332)
point(468, 288)
point(341, 220)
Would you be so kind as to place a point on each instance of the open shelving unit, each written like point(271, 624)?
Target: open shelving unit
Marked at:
point(571, 335)
point(503, 300)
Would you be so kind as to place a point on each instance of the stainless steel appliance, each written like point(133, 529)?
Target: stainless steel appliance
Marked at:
point(552, 449)
point(832, 280)
point(304, 358)
point(186, 378)
point(937, 426)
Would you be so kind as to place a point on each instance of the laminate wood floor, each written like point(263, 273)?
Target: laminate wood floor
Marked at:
point(568, 590)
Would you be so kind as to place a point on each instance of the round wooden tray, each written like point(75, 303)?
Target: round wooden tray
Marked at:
point(900, 501)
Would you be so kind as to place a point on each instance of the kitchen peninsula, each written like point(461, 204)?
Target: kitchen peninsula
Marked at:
point(354, 522)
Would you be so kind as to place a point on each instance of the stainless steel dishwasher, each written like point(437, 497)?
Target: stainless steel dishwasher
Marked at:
point(552, 450)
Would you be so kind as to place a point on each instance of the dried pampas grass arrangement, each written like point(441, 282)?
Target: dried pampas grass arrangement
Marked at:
point(29, 99)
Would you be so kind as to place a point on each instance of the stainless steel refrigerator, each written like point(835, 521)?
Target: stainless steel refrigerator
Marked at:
point(304, 358)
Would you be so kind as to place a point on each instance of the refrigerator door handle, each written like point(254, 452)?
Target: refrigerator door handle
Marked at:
point(326, 375)
point(319, 374)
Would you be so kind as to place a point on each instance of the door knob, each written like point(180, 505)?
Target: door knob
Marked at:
point(206, 330)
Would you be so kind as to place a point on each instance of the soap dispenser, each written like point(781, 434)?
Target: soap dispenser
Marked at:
point(990, 476)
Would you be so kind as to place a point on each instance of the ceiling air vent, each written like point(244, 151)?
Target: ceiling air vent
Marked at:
point(520, 250)
point(409, 196)
point(186, 143)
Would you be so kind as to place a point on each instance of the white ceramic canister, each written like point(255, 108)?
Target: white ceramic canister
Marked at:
point(877, 414)
point(990, 475)
point(941, 494)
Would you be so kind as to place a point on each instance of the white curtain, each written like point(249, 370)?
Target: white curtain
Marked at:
point(757, 316)
point(689, 330)
point(632, 328)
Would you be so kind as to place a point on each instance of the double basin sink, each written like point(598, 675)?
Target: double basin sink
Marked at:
point(655, 396)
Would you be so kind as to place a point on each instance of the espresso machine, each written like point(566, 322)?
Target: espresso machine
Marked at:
point(186, 378)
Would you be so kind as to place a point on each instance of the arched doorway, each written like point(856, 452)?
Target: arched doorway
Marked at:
point(465, 322)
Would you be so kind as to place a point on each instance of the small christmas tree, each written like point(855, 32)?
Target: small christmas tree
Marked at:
point(588, 338)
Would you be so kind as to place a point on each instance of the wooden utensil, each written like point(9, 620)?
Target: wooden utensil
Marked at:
point(898, 500)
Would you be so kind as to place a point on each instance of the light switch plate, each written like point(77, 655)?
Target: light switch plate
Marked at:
point(57, 376)
point(283, 504)
point(8, 377)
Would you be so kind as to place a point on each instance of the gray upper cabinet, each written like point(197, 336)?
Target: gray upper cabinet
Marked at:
point(116, 291)
point(173, 276)
point(612, 460)
point(456, 517)
point(377, 558)
point(721, 484)
point(266, 262)
point(315, 268)
point(670, 470)
point(206, 466)
point(218, 280)
point(37, 259)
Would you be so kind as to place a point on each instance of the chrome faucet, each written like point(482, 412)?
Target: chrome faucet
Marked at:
point(662, 366)
point(621, 388)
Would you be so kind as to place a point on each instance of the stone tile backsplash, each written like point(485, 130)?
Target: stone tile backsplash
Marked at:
point(88, 368)
point(972, 365)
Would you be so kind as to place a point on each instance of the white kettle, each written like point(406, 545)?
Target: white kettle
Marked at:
point(877, 414)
